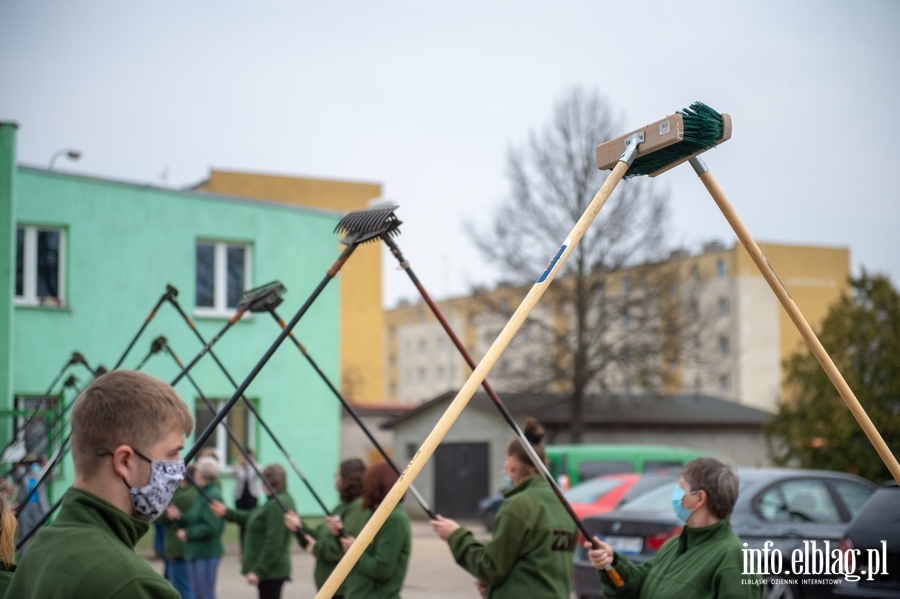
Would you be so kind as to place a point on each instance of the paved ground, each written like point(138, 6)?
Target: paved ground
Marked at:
point(432, 572)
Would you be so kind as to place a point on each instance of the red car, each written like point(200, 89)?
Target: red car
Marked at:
point(600, 495)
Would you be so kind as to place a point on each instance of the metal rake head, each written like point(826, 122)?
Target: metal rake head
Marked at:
point(77, 358)
point(157, 345)
point(171, 292)
point(263, 298)
point(71, 381)
point(101, 370)
point(361, 226)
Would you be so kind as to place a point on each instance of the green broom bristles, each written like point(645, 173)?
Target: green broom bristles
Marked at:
point(703, 128)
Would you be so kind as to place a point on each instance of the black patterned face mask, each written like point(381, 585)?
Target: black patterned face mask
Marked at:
point(150, 500)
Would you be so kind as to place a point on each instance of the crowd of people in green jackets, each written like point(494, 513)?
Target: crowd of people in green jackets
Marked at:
point(128, 432)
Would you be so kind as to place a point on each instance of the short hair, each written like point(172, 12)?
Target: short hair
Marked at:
point(276, 476)
point(352, 473)
point(534, 433)
point(124, 407)
point(208, 468)
point(8, 525)
point(718, 480)
point(377, 483)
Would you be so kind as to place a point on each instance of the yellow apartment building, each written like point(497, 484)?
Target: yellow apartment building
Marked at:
point(741, 337)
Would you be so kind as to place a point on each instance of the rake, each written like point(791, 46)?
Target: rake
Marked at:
point(684, 139)
point(350, 410)
point(257, 297)
point(359, 227)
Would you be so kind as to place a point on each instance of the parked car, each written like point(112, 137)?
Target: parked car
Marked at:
point(784, 506)
point(571, 465)
point(878, 521)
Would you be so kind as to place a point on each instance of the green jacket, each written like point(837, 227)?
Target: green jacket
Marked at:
point(380, 571)
point(88, 553)
point(267, 542)
point(202, 527)
point(183, 499)
point(6, 576)
point(531, 552)
point(327, 550)
point(700, 563)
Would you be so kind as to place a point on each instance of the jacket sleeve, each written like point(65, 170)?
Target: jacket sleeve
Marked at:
point(237, 516)
point(380, 560)
point(632, 574)
point(202, 524)
point(327, 547)
point(490, 563)
point(729, 582)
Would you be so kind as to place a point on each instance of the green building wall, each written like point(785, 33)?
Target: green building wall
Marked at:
point(124, 243)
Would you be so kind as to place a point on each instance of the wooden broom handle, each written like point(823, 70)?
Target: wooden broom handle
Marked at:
point(468, 390)
point(800, 322)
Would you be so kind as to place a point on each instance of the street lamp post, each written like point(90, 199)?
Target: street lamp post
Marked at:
point(70, 154)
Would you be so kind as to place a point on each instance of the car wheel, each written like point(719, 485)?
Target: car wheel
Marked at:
point(779, 590)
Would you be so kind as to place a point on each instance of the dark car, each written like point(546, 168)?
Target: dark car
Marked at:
point(875, 531)
point(786, 507)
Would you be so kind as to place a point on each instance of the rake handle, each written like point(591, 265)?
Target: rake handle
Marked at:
point(798, 319)
point(367, 535)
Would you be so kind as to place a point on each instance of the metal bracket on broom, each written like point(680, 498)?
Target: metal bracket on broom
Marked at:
point(806, 331)
point(679, 141)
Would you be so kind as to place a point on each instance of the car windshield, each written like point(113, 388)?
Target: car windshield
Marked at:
point(657, 500)
point(592, 490)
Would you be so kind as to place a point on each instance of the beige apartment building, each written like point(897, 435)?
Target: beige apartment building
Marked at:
point(734, 338)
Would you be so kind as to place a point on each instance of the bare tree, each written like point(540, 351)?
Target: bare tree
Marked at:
point(614, 314)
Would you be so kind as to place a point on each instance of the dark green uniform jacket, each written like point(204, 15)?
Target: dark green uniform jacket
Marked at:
point(202, 527)
point(183, 499)
point(88, 552)
point(531, 552)
point(380, 571)
point(700, 563)
point(267, 541)
point(328, 549)
point(6, 576)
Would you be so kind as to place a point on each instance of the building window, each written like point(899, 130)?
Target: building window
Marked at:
point(626, 285)
point(725, 384)
point(441, 373)
point(423, 346)
point(40, 436)
point(423, 375)
point(238, 420)
point(721, 268)
point(223, 274)
point(40, 266)
point(724, 306)
point(724, 346)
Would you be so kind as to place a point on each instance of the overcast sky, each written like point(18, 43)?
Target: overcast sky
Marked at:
point(426, 97)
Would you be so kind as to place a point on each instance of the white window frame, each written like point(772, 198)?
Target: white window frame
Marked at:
point(29, 295)
point(221, 435)
point(220, 308)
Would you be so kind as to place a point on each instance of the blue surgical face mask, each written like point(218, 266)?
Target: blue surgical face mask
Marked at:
point(682, 512)
point(508, 481)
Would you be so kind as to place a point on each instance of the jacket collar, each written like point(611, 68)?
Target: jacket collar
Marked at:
point(692, 536)
point(80, 507)
point(529, 482)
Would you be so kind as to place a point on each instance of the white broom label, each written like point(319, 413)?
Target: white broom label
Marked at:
point(553, 262)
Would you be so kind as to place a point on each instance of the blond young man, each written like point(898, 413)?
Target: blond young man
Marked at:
point(128, 430)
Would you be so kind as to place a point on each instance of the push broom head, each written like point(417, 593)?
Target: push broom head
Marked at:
point(263, 297)
point(272, 301)
point(670, 141)
point(361, 226)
